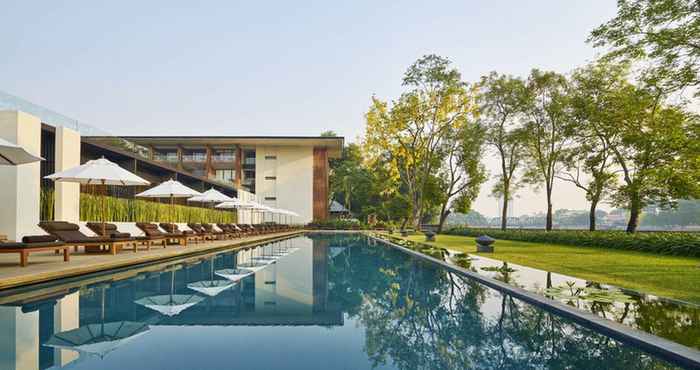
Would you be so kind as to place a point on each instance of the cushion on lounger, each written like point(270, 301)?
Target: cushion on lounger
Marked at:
point(58, 226)
point(38, 239)
point(13, 245)
point(117, 235)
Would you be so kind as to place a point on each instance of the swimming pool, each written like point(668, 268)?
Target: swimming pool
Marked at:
point(325, 301)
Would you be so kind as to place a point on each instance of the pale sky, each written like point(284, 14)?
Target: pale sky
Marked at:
point(273, 68)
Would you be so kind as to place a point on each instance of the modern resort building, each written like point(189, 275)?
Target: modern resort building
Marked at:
point(280, 172)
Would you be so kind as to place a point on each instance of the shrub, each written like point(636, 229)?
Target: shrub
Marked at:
point(139, 210)
point(336, 224)
point(672, 243)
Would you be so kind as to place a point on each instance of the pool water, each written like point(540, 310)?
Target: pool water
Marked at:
point(327, 301)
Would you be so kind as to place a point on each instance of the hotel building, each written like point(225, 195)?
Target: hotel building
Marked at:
point(281, 172)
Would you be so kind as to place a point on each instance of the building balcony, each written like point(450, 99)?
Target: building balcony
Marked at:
point(194, 158)
point(165, 157)
point(223, 158)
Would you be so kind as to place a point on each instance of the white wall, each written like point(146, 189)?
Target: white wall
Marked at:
point(19, 339)
point(293, 187)
point(66, 316)
point(19, 214)
point(67, 205)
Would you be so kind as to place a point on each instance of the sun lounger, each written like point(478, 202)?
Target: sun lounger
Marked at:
point(174, 229)
point(110, 231)
point(229, 230)
point(70, 234)
point(218, 234)
point(152, 231)
point(199, 230)
point(35, 243)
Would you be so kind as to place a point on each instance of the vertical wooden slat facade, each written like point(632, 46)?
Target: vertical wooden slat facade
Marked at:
point(320, 184)
point(237, 166)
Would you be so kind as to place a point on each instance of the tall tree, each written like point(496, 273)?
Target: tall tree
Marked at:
point(501, 103)
point(655, 146)
point(545, 132)
point(409, 135)
point(350, 181)
point(589, 162)
point(462, 172)
point(664, 33)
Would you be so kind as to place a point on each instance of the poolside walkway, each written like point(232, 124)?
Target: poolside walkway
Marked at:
point(49, 266)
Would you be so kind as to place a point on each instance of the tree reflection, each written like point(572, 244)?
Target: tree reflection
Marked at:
point(418, 316)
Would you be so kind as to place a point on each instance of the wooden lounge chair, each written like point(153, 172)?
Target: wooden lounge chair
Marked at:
point(218, 234)
point(174, 229)
point(229, 230)
point(70, 234)
point(199, 230)
point(110, 231)
point(152, 231)
point(35, 243)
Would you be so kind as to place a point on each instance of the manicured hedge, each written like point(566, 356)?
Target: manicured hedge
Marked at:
point(673, 243)
point(139, 210)
point(335, 224)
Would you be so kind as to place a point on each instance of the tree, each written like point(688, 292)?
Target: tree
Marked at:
point(409, 134)
point(545, 132)
point(329, 133)
point(501, 102)
point(462, 172)
point(590, 154)
point(350, 181)
point(666, 33)
point(655, 146)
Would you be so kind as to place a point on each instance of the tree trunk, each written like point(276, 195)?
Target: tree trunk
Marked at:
point(591, 215)
point(504, 211)
point(548, 226)
point(635, 211)
point(443, 217)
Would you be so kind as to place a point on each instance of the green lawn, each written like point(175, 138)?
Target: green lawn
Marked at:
point(666, 276)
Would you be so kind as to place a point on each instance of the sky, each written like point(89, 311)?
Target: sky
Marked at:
point(275, 68)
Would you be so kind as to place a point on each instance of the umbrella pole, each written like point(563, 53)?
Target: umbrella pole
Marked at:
point(102, 200)
point(172, 208)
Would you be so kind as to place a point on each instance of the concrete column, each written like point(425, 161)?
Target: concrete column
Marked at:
point(66, 317)
point(19, 339)
point(19, 214)
point(67, 206)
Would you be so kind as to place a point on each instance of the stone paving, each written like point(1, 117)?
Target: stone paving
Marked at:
point(49, 266)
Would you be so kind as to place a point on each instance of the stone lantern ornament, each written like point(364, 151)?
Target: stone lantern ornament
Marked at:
point(484, 244)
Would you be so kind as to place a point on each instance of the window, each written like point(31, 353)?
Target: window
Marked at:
point(270, 198)
point(223, 155)
point(270, 157)
point(225, 175)
point(270, 177)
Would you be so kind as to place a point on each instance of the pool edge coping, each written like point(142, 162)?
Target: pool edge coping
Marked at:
point(673, 352)
point(48, 277)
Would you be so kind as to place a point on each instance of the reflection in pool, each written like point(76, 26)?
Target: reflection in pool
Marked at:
point(319, 302)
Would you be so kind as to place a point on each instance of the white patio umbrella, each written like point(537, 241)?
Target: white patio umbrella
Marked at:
point(211, 287)
point(99, 172)
point(261, 207)
point(170, 304)
point(235, 203)
point(211, 196)
point(98, 339)
point(234, 274)
point(169, 189)
point(14, 155)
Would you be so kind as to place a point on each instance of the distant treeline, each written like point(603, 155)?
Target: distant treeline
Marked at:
point(686, 216)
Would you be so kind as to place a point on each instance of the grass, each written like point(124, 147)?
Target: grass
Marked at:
point(666, 276)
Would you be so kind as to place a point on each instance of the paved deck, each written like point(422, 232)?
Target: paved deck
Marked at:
point(49, 266)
